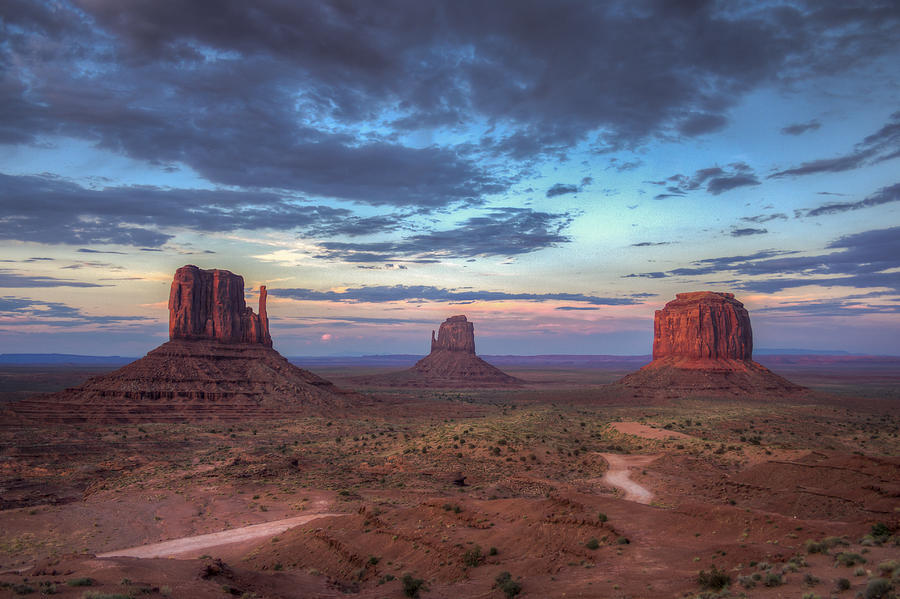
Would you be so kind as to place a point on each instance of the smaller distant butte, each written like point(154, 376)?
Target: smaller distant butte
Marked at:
point(703, 345)
point(452, 363)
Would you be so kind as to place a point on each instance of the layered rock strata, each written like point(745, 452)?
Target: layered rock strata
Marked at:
point(703, 343)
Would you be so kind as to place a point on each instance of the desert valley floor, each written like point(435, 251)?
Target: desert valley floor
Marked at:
point(571, 486)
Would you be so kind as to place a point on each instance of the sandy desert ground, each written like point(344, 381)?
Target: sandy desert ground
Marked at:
point(569, 490)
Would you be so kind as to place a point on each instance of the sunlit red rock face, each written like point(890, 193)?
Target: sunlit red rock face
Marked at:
point(703, 343)
point(218, 364)
point(703, 325)
point(452, 363)
point(209, 304)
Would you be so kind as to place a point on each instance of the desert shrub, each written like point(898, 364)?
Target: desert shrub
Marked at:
point(880, 529)
point(374, 560)
point(878, 588)
point(622, 541)
point(810, 595)
point(842, 584)
point(816, 547)
point(859, 572)
point(773, 580)
point(386, 578)
point(602, 517)
point(849, 559)
point(887, 567)
point(492, 551)
point(473, 557)
point(412, 585)
point(746, 581)
point(505, 583)
point(715, 579)
point(592, 543)
point(81, 582)
point(810, 580)
point(22, 589)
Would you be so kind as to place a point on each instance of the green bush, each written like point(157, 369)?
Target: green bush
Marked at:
point(878, 588)
point(842, 584)
point(773, 580)
point(81, 582)
point(602, 517)
point(849, 559)
point(473, 557)
point(715, 579)
point(412, 585)
point(880, 530)
point(592, 544)
point(505, 583)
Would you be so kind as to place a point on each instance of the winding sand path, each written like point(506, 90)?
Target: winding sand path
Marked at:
point(226, 537)
point(619, 475)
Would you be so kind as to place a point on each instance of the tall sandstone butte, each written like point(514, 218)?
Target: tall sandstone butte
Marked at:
point(703, 343)
point(703, 325)
point(218, 363)
point(455, 334)
point(209, 304)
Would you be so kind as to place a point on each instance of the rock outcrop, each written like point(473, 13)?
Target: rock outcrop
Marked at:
point(455, 334)
point(218, 364)
point(703, 343)
point(452, 363)
point(209, 304)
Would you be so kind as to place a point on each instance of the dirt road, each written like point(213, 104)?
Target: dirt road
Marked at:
point(226, 537)
point(619, 475)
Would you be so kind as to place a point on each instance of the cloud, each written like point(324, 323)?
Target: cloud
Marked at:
point(764, 218)
point(51, 210)
point(716, 180)
point(396, 293)
point(829, 307)
point(499, 232)
point(801, 128)
point(644, 244)
point(16, 280)
point(869, 259)
point(747, 231)
point(315, 98)
point(885, 195)
point(561, 189)
point(882, 145)
point(19, 311)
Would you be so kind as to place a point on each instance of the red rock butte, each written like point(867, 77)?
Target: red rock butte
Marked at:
point(703, 343)
point(452, 363)
point(218, 364)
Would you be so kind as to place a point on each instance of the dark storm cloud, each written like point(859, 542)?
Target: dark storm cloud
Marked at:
point(801, 128)
point(885, 195)
point(24, 311)
point(882, 145)
point(715, 180)
point(862, 260)
point(501, 232)
point(396, 293)
point(314, 97)
point(747, 231)
point(14, 279)
point(49, 210)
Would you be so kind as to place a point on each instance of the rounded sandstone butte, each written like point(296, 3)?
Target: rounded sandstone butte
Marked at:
point(455, 334)
point(209, 304)
point(703, 325)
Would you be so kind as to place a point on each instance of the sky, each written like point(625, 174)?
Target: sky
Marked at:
point(557, 171)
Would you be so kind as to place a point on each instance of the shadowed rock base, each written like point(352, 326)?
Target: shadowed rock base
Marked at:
point(674, 378)
point(192, 380)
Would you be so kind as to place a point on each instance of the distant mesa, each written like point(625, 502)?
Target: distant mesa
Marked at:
point(703, 343)
point(452, 363)
point(218, 364)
